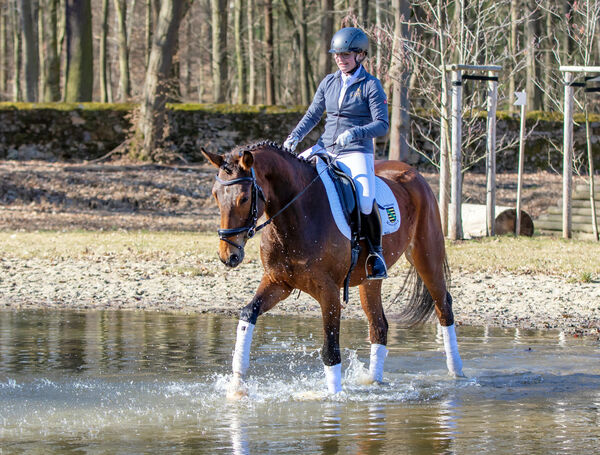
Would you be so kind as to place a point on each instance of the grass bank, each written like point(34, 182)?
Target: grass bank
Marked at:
point(574, 260)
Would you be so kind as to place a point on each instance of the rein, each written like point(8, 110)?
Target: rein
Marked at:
point(251, 228)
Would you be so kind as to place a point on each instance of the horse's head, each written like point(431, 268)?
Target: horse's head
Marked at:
point(240, 201)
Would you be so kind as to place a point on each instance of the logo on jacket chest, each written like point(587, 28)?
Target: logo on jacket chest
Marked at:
point(356, 94)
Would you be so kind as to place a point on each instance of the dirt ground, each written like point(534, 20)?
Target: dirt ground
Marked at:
point(39, 195)
point(66, 197)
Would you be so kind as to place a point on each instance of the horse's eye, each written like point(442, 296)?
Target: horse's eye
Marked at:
point(243, 200)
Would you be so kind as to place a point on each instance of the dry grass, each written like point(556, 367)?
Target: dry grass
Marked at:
point(575, 260)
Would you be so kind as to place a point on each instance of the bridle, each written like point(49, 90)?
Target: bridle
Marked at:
point(249, 229)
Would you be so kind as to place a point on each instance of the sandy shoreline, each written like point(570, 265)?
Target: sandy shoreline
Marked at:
point(503, 300)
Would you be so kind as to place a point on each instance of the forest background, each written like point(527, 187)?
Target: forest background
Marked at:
point(267, 52)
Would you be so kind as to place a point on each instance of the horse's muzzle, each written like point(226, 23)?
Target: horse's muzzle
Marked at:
point(234, 259)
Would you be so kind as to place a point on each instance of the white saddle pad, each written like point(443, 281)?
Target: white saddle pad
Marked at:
point(388, 206)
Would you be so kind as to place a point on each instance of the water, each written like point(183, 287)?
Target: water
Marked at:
point(145, 383)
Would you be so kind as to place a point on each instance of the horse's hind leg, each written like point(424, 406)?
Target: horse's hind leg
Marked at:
point(370, 299)
point(429, 258)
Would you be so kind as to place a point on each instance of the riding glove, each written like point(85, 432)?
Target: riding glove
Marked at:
point(345, 138)
point(291, 143)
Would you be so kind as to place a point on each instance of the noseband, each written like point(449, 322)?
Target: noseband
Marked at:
point(249, 229)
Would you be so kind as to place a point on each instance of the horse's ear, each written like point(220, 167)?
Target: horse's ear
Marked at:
point(246, 161)
point(215, 159)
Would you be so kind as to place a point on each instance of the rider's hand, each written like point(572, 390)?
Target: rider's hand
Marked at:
point(345, 138)
point(291, 143)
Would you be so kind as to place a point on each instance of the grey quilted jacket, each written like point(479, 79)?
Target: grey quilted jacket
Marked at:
point(364, 111)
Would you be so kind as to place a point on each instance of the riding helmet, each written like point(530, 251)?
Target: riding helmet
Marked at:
point(349, 39)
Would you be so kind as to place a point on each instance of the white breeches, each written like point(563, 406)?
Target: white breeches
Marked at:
point(360, 166)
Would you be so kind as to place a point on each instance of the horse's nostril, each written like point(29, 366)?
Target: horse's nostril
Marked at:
point(234, 259)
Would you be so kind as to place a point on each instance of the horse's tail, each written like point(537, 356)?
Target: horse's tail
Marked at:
point(420, 304)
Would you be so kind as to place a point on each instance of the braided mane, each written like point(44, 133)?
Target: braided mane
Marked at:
point(266, 143)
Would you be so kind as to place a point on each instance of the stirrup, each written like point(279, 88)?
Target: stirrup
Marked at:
point(377, 274)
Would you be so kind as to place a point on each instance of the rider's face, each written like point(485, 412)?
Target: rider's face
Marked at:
point(346, 61)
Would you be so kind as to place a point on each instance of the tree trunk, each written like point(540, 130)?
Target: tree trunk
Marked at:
point(189, 57)
point(3, 59)
point(103, 59)
point(269, 59)
point(549, 93)
point(363, 13)
point(512, 76)
point(400, 123)
point(378, 26)
point(567, 44)
point(325, 61)
point(150, 128)
point(148, 29)
point(16, 51)
point(239, 52)
point(304, 60)
point(31, 55)
point(124, 79)
point(532, 35)
point(219, 49)
point(251, 60)
point(80, 64)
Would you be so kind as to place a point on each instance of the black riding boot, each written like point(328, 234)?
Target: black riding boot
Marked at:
point(372, 229)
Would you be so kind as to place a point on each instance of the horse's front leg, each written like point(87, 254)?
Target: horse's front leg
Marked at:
point(329, 299)
point(268, 294)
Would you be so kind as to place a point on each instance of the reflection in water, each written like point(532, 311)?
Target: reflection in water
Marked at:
point(239, 436)
point(141, 382)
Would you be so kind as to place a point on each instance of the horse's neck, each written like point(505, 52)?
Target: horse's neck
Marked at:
point(285, 179)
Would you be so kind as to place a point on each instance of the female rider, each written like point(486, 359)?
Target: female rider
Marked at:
point(357, 111)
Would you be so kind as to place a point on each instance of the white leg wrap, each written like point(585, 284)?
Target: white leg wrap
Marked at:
point(241, 355)
point(378, 354)
point(453, 360)
point(333, 376)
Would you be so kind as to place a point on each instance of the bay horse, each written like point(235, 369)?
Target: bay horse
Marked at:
point(302, 248)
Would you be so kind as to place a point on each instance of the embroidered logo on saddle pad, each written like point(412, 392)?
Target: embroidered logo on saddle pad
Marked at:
point(386, 202)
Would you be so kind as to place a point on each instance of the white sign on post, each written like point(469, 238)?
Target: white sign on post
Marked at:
point(521, 99)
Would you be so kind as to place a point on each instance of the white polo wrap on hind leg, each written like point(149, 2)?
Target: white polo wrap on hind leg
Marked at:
point(378, 354)
point(241, 355)
point(453, 360)
point(333, 377)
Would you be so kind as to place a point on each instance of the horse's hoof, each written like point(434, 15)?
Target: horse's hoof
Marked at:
point(366, 380)
point(236, 395)
point(237, 389)
point(455, 375)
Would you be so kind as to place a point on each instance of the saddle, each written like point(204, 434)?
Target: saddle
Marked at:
point(346, 191)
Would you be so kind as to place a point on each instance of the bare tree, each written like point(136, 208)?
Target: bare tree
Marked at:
point(219, 49)
point(50, 51)
point(251, 59)
point(269, 58)
point(239, 52)
point(124, 80)
point(3, 52)
point(400, 122)
point(150, 128)
point(80, 64)
point(532, 38)
point(31, 55)
point(103, 54)
point(17, 48)
point(325, 63)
